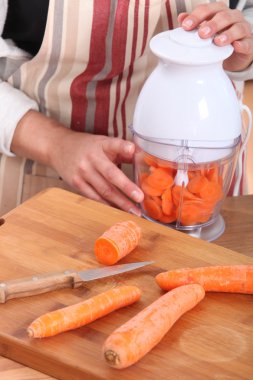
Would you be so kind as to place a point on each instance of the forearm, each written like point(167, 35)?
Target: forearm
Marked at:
point(36, 137)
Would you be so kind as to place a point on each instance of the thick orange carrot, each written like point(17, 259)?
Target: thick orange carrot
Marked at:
point(130, 342)
point(82, 313)
point(230, 278)
point(117, 242)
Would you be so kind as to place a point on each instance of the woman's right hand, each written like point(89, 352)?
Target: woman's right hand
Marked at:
point(88, 163)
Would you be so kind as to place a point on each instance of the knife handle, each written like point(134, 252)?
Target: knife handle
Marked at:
point(30, 286)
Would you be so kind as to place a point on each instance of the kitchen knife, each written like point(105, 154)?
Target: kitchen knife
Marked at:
point(38, 284)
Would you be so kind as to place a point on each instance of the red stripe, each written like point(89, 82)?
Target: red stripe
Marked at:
point(101, 11)
point(168, 10)
point(145, 32)
point(130, 72)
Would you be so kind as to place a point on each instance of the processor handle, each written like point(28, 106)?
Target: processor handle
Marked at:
point(242, 149)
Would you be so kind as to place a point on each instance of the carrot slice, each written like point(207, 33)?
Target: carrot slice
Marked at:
point(150, 190)
point(150, 160)
point(168, 218)
point(160, 179)
point(158, 201)
point(197, 184)
point(194, 212)
point(82, 313)
point(213, 174)
point(179, 192)
point(117, 242)
point(211, 192)
point(152, 208)
point(227, 278)
point(134, 339)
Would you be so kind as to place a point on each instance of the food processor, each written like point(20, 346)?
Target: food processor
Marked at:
point(187, 127)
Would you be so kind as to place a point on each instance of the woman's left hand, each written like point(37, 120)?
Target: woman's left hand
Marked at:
point(225, 26)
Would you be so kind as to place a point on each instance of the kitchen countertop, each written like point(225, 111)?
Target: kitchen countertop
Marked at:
point(238, 236)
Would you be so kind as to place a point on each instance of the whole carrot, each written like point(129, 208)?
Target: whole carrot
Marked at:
point(82, 313)
point(230, 278)
point(130, 342)
point(117, 242)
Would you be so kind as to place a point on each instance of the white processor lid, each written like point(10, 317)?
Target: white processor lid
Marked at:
point(187, 47)
point(188, 96)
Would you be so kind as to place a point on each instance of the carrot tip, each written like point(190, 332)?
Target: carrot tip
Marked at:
point(30, 332)
point(112, 358)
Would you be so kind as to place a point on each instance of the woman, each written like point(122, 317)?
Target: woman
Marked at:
point(86, 75)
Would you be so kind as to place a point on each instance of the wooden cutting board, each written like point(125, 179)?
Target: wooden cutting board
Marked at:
point(56, 230)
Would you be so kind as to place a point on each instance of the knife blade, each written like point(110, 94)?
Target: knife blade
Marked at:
point(44, 283)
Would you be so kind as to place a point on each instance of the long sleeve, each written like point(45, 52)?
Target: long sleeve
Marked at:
point(13, 103)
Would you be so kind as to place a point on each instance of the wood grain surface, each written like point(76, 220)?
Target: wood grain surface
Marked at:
point(56, 230)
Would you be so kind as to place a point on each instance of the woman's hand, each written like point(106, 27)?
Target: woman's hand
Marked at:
point(225, 26)
point(88, 163)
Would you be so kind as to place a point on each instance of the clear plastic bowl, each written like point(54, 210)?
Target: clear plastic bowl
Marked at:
point(184, 185)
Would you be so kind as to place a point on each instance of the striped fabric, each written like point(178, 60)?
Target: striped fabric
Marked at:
point(94, 59)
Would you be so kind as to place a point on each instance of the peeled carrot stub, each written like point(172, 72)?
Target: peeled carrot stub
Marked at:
point(152, 208)
point(160, 179)
point(117, 242)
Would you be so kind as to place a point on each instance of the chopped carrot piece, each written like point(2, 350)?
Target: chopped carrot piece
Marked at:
point(193, 212)
point(149, 160)
point(197, 183)
point(168, 218)
point(167, 194)
point(227, 278)
point(152, 208)
point(167, 203)
point(150, 190)
point(179, 192)
point(211, 192)
point(213, 174)
point(134, 339)
point(82, 313)
point(117, 242)
point(160, 179)
point(157, 201)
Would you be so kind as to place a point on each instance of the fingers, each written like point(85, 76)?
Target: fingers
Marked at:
point(119, 150)
point(117, 178)
point(216, 18)
point(225, 26)
point(201, 13)
point(113, 195)
point(85, 189)
point(244, 46)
